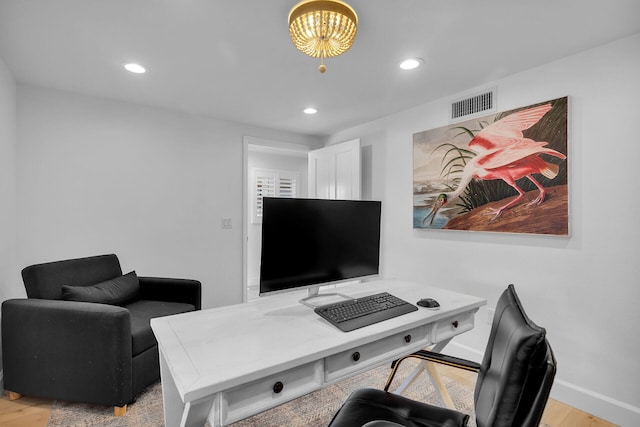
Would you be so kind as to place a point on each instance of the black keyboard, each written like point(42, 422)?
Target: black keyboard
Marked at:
point(365, 311)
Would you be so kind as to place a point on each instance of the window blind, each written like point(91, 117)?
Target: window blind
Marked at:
point(272, 183)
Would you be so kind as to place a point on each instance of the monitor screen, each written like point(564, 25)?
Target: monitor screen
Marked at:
point(312, 242)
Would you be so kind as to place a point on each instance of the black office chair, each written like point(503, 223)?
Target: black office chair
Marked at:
point(512, 388)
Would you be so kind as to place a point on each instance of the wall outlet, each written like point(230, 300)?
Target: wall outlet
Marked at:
point(227, 224)
point(490, 314)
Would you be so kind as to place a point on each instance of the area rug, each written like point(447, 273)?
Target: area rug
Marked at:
point(313, 410)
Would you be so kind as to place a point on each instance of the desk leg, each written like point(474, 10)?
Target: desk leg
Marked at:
point(434, 376)
point(439, 385)
point(176, 412)
point(196, 413)
point(410, 379)
point(173, 406)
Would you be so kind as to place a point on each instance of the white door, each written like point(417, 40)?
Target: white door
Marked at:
point(334, 171)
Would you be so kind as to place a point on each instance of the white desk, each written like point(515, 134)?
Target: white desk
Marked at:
point(222, 364)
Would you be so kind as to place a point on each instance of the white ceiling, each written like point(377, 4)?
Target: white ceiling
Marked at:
point(233, 59)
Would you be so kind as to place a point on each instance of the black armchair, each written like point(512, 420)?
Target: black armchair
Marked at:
point(513, 385)
point(84, 334)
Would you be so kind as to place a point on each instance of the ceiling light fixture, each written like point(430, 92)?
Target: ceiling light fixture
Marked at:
point(310, 110)
point(322, 28)
point(135, 68)
point(411, 63)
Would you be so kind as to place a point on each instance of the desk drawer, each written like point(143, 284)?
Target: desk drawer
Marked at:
point(368, 355)
point(452, 326)
point(265, 393)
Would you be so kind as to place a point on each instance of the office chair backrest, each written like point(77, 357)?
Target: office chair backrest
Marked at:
point(517, 370)
point(45, 280)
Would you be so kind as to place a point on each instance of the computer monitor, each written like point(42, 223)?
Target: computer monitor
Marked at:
point(307, 243)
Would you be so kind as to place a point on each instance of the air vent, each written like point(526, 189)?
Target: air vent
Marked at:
point(473, 105)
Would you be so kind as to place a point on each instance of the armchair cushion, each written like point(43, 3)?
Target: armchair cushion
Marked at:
point(116, 291)
point(142, 311)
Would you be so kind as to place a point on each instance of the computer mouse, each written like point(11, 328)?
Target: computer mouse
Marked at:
point(429, 303)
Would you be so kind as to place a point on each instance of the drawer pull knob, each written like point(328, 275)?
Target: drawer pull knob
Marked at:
point(407, 338)
point(355, 356)
point(278, 387)
point(455, 323)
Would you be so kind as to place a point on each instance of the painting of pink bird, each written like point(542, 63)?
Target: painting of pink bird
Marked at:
point(505, 172)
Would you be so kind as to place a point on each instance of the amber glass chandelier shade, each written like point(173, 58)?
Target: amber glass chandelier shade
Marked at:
point(322, 28)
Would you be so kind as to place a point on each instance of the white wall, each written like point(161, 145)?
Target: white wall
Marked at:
point(10, 284)
point(9, 278)
point(584, 289)
point(98, 176)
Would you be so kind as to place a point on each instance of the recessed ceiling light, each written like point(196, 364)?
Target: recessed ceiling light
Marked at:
point(310, 110)
point(411, 63)
point(135, 68)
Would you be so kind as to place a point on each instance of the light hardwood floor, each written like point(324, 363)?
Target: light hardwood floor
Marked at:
point(34, 412)
point(24, 412)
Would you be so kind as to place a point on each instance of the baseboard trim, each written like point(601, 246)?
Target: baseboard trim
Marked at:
point(605, 407)
point(597, 404)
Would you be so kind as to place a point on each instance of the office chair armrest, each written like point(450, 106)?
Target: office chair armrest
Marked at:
point(381, 423)
point(445, 359)
point(430, 356)
point(172, 290)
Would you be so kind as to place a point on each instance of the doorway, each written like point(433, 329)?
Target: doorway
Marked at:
point(332, 172)
point(266, 160)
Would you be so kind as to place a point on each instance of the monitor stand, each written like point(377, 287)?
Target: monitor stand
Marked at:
point(327, 297)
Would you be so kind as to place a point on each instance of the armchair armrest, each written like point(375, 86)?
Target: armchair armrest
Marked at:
point(67, 349)
point(174, 290)
point(431, 356)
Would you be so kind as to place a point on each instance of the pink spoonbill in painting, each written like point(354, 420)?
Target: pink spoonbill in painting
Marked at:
point(504, 153)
